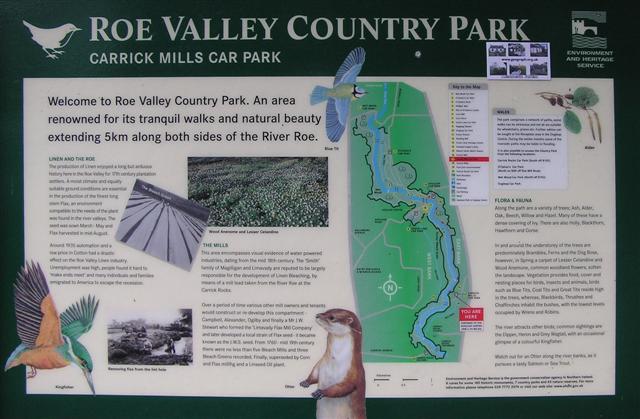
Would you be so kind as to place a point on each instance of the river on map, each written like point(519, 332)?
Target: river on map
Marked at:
point(435, 215)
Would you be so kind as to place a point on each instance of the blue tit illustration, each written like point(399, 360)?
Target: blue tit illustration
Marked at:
point(339, 96)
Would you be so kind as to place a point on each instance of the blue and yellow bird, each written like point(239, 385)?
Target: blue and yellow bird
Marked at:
point(339, 96)
point(48, 340)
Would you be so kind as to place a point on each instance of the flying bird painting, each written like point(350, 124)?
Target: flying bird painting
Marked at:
point(339, 97)
point(49, 340)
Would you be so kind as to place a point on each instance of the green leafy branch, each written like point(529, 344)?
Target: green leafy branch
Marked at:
point(583, 98)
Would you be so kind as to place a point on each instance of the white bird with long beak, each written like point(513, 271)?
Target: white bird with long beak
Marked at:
point(51, 40)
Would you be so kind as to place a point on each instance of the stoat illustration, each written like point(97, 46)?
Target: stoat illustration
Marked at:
point(339, 373)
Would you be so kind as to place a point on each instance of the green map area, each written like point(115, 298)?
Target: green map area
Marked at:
point(409, 262)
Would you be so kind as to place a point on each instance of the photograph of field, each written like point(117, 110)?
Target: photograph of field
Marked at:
point(162, 224)
point(261, 191)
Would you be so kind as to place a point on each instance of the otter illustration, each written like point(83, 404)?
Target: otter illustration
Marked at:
point(339, 373)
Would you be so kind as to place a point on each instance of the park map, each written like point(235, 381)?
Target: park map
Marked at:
point(409, 262)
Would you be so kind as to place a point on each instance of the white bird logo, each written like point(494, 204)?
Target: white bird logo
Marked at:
point(51, 40)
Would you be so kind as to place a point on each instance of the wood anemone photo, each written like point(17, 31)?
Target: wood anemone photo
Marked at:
point(261, 191)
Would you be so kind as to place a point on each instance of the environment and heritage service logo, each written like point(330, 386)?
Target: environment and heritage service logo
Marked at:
point(587, 29)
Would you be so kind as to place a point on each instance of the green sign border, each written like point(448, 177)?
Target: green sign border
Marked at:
point(548, 22)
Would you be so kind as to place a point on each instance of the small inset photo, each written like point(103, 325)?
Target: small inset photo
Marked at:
point(540, 69)
point(497, 50)
point(538, 50)
point(498, 68)
point(163, 224)
point(154, 338)
point(261, 191)
point(516, 50)
point(517, 69)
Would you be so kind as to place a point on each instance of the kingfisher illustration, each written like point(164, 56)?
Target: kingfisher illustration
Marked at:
point(49, 341)
point(51, 40)
point(339, 97)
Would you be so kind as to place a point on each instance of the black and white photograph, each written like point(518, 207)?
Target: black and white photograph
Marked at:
point(539, 69)
point(151, 338)
point(498, 68)
point(516, 50)
point(517, 69)
point(538, 50)
point(261, 191)
point(163, 224)
point(497, 50)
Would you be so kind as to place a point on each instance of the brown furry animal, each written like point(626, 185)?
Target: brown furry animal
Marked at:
point(339, 373)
